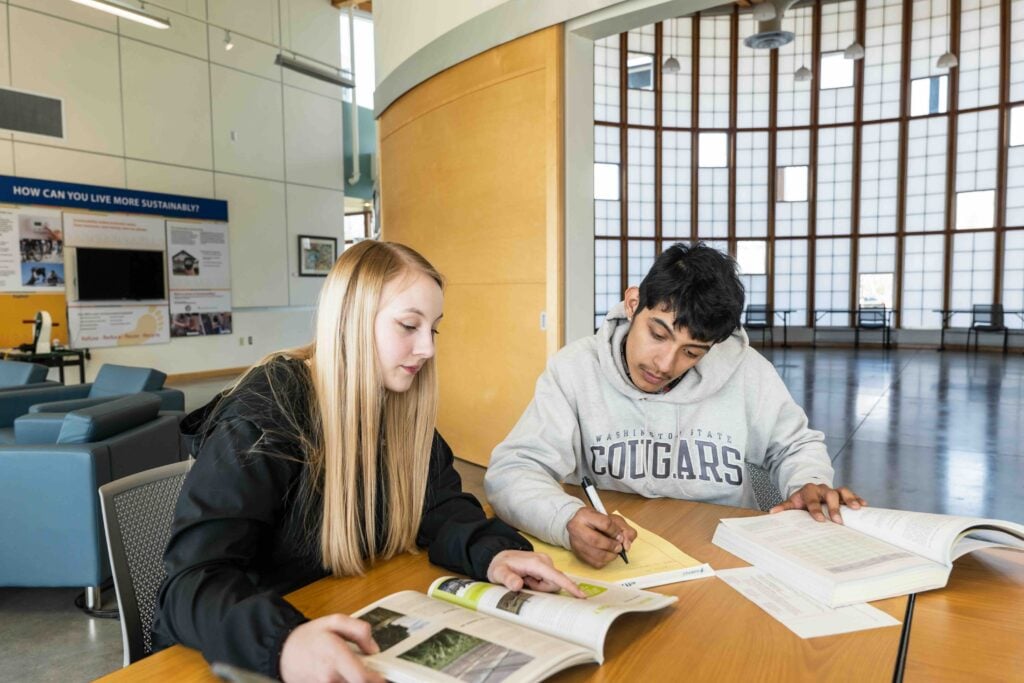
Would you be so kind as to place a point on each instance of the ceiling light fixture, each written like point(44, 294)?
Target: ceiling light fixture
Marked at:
point(127, 12)
point(313, 71)
point(947, 60)
point(671, 65)
point(764, 11)
point(228, 43)
point(854, 51)
point(803, 74)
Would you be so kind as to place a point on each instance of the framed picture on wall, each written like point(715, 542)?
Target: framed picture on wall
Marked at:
point(316, 255)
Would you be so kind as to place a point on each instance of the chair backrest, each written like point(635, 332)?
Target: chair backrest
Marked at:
point(115, 380)
point(872, 316)
point(757, 314)
point(765, 491)
point(137, 515)
point(16, 373)
point(988, 315)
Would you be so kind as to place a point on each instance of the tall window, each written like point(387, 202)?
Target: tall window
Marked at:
point(886, 178)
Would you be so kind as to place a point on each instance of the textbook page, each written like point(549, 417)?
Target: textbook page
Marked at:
point(434, 641)
point(581, 621)
point(929, 535)
point(797, 612)
point(653, 561)
point(816, 556)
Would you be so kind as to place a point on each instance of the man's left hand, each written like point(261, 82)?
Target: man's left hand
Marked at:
point(812, 497)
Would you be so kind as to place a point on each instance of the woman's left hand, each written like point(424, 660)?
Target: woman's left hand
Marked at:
point(518, 569)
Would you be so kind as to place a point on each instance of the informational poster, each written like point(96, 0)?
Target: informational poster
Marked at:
point(118, 325)
point(199, 277)
point(31, 250)
point(114, 231)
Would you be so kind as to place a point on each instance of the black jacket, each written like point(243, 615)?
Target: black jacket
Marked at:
point(240, 540)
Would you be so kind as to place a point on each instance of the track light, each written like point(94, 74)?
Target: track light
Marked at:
point(313, 71)
point(854, 51)
point(671, 66)
point(947, 61)
point(127, 12)
point(228, 43)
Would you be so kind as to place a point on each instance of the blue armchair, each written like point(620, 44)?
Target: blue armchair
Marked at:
point(20, 375)
point(50, 526)
point(112, 381)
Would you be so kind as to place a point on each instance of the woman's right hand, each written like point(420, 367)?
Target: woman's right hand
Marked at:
point(318, 651)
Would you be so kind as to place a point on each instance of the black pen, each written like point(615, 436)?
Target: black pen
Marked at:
point(591, 491)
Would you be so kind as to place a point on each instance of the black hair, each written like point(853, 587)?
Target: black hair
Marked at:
point(699, 284)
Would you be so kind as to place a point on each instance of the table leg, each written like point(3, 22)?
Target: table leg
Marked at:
point(81, 368)
point(60, 369)
point(785, 331)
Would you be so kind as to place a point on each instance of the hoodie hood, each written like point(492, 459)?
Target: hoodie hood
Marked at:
point(700, 382)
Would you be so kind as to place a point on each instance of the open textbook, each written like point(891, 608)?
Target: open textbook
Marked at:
point(466, 630)
point(653, 561)
point(875, 554)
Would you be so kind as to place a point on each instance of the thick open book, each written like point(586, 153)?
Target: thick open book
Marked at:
point(875, 554)
point(653, 561)
point(465, 630)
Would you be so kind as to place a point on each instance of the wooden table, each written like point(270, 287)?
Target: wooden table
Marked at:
point(713, 633)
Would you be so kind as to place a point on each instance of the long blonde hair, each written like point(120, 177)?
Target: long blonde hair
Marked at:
point(359, 430)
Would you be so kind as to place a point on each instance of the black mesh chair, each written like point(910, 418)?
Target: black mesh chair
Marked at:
point(758, 317)
point(872, 318)
point(987, 318)
point(137, 515)
point(765, 491)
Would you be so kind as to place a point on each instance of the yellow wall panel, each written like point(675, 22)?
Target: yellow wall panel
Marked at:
point(471, 176)
point(486, 384)
point(15, 308)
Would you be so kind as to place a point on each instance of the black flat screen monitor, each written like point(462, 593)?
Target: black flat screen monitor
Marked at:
point(120, 274)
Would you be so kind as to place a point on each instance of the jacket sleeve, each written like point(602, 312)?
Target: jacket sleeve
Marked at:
point(796, 455)
point(227, 510)
point(523, 481)
point(454, 528)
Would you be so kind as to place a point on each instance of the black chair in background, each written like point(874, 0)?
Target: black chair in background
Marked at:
point(758, 317)
point(137, 515)
point(987, 318)
point(872, 318)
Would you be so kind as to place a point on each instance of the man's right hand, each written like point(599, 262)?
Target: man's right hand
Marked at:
point(597, 539)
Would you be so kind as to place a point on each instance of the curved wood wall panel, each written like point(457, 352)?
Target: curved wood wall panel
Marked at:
point(471, 176)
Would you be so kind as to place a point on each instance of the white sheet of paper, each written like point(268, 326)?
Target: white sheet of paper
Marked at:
point(797, 612)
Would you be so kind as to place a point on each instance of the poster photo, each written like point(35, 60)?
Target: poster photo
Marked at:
point(316, 255)
point(200, 313)
point(41, 248)
point(31, 250)
point(197, 256)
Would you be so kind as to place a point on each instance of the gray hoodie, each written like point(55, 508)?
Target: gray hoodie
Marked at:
point(588, 419)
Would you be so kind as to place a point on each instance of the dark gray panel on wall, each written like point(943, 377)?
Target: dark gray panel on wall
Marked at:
point(28, 113)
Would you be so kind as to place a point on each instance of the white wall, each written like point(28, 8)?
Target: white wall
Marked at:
point(155, 110)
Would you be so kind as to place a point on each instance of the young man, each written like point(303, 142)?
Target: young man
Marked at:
point(666, 400)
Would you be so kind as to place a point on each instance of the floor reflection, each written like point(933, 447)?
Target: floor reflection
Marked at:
point(917, 429)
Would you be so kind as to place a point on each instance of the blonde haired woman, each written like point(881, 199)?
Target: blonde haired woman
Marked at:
point(324, 460)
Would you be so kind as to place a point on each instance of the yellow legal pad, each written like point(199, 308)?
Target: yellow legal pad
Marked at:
point(653, 561)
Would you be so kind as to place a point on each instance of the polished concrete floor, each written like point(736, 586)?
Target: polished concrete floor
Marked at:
point(915, 429)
